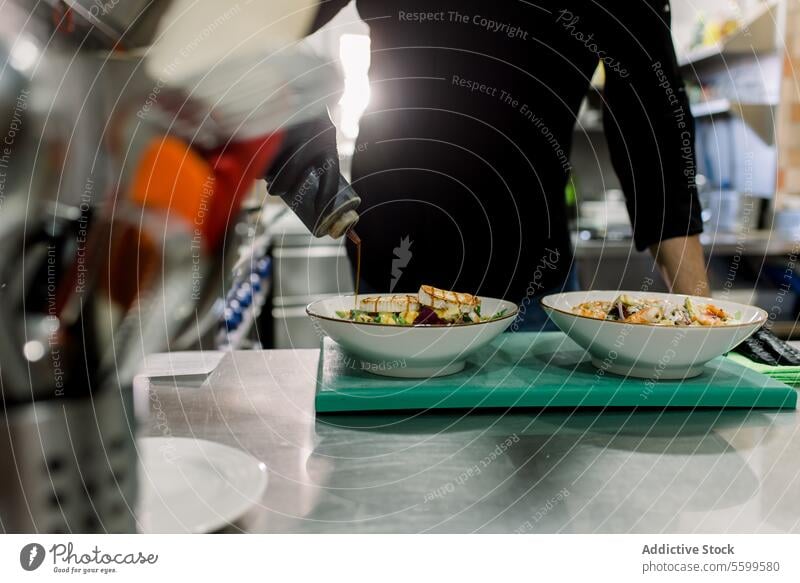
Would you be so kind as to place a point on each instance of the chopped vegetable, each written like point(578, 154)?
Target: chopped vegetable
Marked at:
point(499, 314)
point(656, 312)
point(436, 308)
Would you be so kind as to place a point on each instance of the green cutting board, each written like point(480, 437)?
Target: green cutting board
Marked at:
point(538, 370)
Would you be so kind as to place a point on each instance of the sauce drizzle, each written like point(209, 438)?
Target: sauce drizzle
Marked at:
point(356, 240)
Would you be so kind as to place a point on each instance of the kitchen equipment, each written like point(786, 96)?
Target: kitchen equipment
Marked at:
point(540, 370)
point(722, 209)
point(648, 351)
point(69, 464)
point(409, 351)
point(787, 222)
point(306, 269)
point(248, 282)
point(113, 223)
point(731, 187)
point(765, 348)
point(193, 485)
point(66, 431)
point(606, 218)
point(311, 270)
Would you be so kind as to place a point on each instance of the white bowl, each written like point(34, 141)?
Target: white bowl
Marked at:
point(409, 351)
point(646, 350)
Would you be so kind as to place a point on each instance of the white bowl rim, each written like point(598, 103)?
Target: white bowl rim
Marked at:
point(760, 321)
point(313, 314)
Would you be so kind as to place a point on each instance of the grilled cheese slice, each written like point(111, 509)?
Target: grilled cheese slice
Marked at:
point(393, 304)
point(449, 302)
point(391, 310)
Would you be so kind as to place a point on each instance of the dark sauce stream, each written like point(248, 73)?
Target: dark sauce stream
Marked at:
point(356, 240)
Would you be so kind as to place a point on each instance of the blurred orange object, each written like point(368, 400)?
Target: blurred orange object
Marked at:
point(171, 177)
point(202, 188)
point(236, 166)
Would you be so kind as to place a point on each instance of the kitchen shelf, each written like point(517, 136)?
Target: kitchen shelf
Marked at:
point(756, 35)
point(759, 116)
point(753, 244)
point(788, 330)
point(700, 54)
point(719, 106)
point(711, 107)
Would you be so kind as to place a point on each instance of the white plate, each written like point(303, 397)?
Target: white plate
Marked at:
point(645, 350)
point(192, 485)
point(409, 351)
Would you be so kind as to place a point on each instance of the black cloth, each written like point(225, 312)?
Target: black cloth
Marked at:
point(463, 153)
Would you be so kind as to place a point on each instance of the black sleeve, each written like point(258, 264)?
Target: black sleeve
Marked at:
point(327, 10)
point(648, 123)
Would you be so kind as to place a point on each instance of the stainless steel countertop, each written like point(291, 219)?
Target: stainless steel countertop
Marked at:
point(753, 243)
point(526, 471)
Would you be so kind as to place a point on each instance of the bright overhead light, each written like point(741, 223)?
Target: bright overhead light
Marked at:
point(355, 57)
point(24, 54)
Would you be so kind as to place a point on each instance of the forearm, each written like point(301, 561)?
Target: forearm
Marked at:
point(682, 265)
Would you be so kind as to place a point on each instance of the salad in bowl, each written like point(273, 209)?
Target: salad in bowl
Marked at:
point(431, 333)
point(652, 335)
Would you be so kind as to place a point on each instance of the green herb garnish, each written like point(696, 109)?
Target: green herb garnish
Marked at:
point(499, 314)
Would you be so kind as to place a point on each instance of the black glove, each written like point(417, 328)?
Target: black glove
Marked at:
point(305, 174)
point(307, 148)
point(766, 348)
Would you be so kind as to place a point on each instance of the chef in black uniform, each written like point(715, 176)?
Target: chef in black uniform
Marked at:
point(463, 153)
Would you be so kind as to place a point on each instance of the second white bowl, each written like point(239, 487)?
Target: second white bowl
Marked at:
point(646, 350)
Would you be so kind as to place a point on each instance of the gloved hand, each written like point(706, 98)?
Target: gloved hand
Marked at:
point(305, 174)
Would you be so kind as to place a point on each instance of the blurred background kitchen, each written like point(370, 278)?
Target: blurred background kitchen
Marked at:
point(740, 60)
